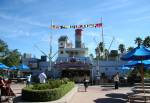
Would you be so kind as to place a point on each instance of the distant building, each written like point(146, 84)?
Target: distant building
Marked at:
point(108, 67)
point(43, 58)
point(73, 62)
point(28, 60)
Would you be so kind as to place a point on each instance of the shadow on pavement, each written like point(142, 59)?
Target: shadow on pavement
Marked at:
point(17, 99)
point(117, 95)
point(107, 89)
point(109, 100)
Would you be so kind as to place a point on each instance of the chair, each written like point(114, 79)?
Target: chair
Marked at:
point(7, 92)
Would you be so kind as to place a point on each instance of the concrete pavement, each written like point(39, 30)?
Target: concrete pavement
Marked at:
point(97, 94)
point(94, 94)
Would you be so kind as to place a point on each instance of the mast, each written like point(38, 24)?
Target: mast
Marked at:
point(50, 48)
point(102, 32)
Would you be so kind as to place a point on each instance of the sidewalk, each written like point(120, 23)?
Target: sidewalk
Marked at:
point(97, 94)
point(94, 94)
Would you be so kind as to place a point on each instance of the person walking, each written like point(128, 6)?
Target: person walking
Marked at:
point(116, 80)
point(85, 84)
point(42, 77)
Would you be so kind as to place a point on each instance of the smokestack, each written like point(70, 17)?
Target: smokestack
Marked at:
point(78, 39)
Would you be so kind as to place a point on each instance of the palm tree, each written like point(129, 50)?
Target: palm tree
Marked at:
point(138, 41)
point(106, 53)
point(121, 48)
point(101, 47)
point(130, 48)
point(3, 46)
point(91, 56)
point(97, 51)
point(146, 41)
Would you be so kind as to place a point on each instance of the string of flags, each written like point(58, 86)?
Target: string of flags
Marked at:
point(98, 25)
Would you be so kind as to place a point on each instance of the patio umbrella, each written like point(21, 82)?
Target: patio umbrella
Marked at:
point(139, 53)
point(23, 67)
point(3, 66)
point(13, 68)
point(146, 63)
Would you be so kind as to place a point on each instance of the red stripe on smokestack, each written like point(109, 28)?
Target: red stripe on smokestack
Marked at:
point(78, 31)
point(78, 36)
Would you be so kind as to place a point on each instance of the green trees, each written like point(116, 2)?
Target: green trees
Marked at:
point(121, 48)
point(100, 50)
point(146, 41)
point(138, 41)
point(13, 58)
point(3, 46)
point(101, 47)
point(130, 48)
point(8, 57)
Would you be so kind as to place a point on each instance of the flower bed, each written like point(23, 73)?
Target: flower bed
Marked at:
point(46, 92)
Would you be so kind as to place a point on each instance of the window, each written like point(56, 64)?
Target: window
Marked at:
point(61, 52)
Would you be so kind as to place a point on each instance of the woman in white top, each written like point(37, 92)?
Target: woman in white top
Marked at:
point(116, 80)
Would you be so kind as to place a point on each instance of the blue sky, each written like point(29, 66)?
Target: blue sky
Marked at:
point(24, 23)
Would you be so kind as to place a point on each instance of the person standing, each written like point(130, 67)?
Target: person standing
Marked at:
point(42, 77)
point(29, 80)
point(116, 80)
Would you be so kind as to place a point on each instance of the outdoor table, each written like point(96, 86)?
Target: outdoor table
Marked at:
point(146, 96)
point(22, 79)
point(19, 79)
point(146, 87)
point(145, 84)
point(140, 90)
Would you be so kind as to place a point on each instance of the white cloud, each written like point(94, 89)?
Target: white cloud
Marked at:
point(27, 20)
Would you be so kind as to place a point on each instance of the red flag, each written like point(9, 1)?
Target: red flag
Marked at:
point(98, 25)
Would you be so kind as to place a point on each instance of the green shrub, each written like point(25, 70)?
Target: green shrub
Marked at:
point(49, 85)
point(28, 94)
point(41, 87)
point(55, 83)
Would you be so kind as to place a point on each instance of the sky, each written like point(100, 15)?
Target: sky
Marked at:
point(25, 23)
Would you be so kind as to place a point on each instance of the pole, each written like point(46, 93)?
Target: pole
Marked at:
point(103, 38)
point(50, 47)
point(142, 76)
point(102, 30)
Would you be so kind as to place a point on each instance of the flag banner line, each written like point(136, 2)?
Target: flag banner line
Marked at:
point(98, 25)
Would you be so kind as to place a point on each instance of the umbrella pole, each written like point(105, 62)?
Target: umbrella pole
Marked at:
point(142, 77)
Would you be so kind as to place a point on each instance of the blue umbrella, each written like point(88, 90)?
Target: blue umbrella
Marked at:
point(139, 53)
point(23, 67)
point(125, 67)
point(146, 63)
point(13, 68)
point(3, 66)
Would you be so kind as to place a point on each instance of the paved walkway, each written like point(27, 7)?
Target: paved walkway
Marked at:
point(97, 94)
point(94, 94)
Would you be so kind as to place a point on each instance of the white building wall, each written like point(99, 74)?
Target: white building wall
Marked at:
point(108, 67)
